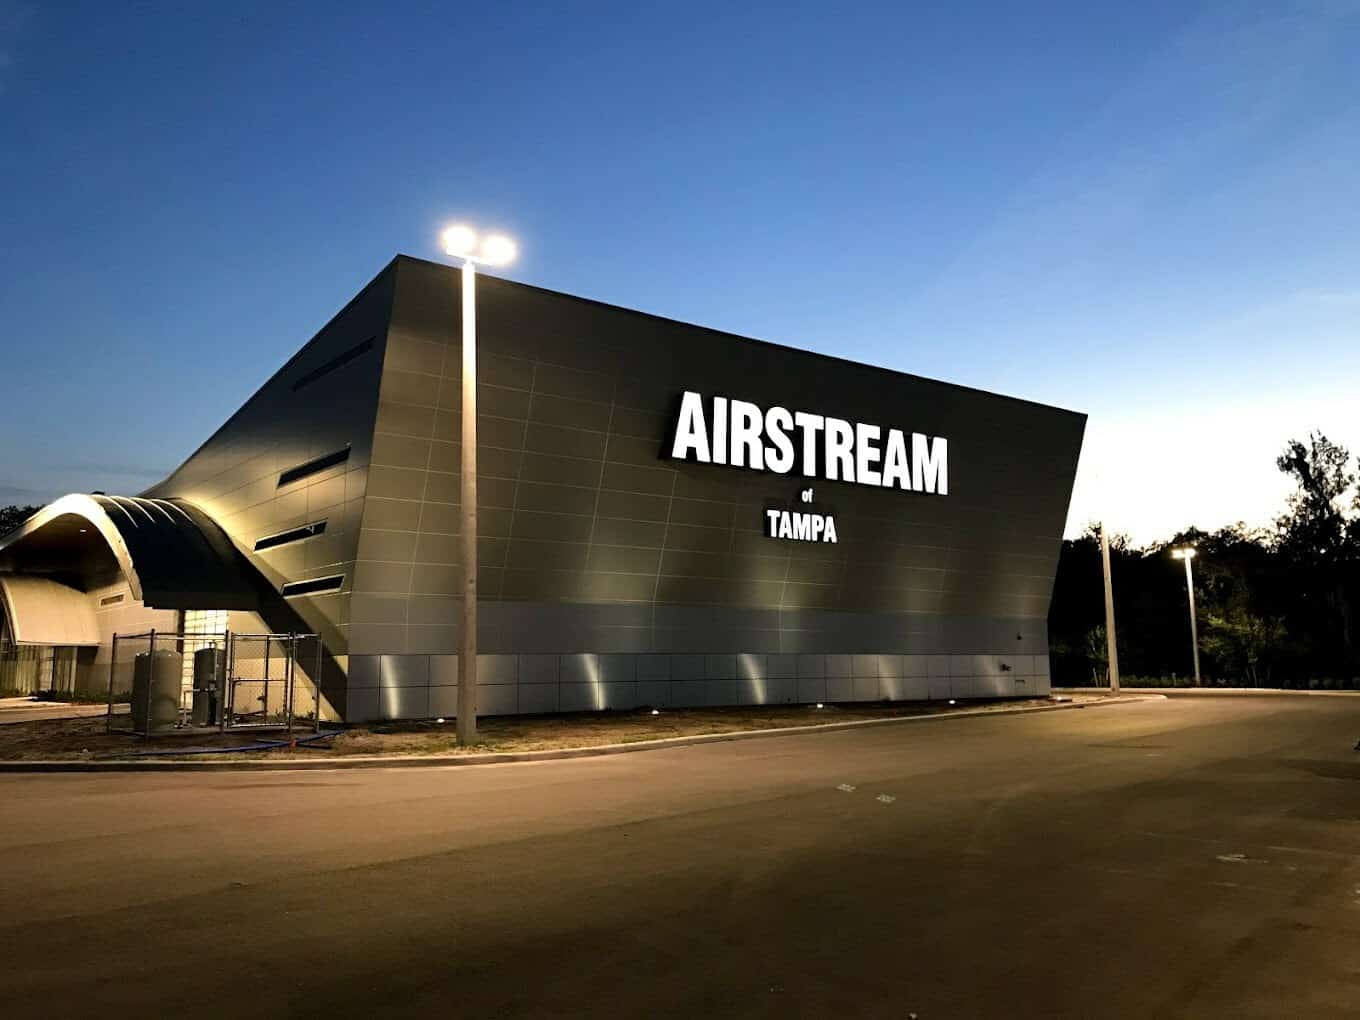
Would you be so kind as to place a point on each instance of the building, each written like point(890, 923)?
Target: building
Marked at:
point(668, 515)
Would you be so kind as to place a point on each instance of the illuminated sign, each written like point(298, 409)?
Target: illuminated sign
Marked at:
point(800, 526)
point(741, 434)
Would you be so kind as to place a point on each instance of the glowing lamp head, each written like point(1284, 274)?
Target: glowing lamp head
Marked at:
point(459, 240)
point(1187, 553)
point(498, 250)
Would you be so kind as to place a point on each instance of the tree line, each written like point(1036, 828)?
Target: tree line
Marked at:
point(13, 516)
point(1275, 605)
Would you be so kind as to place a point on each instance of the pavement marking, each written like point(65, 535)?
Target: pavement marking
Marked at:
point(1309, 851)
point(884, 798)
point(1239, 859)
point(846, 788)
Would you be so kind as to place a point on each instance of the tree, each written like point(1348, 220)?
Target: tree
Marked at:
point(13, 516)
point(1097, 652)
point(1319, 540)
point(1245, 642)
point(1274, 605)
point(1314, 528)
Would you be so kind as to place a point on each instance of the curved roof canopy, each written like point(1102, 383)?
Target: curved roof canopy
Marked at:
point(172, 555)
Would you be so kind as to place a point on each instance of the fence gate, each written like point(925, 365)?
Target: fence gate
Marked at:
point(272, 680)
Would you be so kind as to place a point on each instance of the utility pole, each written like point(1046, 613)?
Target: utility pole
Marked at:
point(466, 723)
point(1188, 553)
point(463, 243)
point(1109, 611)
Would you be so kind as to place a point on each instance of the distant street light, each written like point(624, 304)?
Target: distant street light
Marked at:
point(1187, 553)
point(1111, 642)
point(462, 242)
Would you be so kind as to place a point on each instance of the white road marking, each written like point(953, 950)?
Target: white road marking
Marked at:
point(846, 788)
point(1239, 859)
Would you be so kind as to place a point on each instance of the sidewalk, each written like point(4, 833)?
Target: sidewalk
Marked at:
point(1197, 692)
point(15, 710)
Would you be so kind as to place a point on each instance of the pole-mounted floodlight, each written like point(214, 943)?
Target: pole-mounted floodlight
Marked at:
point(1188, 553)
point(463, 242)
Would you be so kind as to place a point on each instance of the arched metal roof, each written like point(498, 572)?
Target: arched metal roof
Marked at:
point(171, 553)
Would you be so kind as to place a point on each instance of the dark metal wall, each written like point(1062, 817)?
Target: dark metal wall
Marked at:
point(614, 576)
point(322, 400)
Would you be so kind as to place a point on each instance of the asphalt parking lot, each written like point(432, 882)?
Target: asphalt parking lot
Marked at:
point(1195, 857)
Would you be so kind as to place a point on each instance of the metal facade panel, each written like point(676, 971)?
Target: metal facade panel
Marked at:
point(619, 569)
point(575, 402)
point(323, 400)
point(43, 612)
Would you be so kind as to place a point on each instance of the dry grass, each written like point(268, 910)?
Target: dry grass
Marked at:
point(87, 739)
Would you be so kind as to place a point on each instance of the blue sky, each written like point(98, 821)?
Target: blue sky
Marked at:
point(1146, 212)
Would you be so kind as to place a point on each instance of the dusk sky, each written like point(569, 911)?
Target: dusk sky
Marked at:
point(1146, 212)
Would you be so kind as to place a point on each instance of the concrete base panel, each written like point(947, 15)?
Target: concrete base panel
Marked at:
point(389, 687)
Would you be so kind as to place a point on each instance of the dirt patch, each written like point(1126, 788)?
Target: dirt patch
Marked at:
point(87, 739)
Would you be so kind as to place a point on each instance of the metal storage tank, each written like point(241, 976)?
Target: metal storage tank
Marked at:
point(207, 699)
point(156, 680)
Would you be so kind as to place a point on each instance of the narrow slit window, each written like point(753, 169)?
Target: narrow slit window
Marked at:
point(294, 535)
point(339, 361)
point(313, 467)
point(111, 600)
point(314, 586)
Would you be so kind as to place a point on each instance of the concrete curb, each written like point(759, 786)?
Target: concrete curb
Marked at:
point(504, 757)
point(1215, 692)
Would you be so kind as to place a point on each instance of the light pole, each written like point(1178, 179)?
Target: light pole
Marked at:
point(1110, 638)
point(1187, 553)
point(463, 243)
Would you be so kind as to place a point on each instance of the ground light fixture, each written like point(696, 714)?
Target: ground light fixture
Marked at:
point(1188, 553)
point(463, 242)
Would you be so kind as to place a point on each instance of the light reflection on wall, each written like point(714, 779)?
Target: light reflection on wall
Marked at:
point(596, 687)
point(751, 669)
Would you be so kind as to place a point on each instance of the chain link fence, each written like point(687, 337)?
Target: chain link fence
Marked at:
point(272, 680)
point(225, 681)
